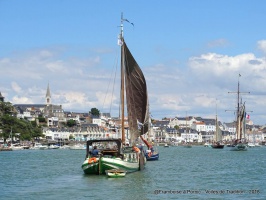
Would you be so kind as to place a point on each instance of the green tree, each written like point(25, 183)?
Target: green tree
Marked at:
point(71, 123)
point(21, 128)
point(176, 127)
point(41, 119)
point(71, 137)
point(95, 112)
point(6, 108)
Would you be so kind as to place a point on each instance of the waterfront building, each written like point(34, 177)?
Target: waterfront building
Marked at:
point(189, 135)
point(182, 122)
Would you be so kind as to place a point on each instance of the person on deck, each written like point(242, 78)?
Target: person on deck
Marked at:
point(95, 151)
point(136, 149)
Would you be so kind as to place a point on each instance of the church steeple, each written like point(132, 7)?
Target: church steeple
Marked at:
point(1, 97)
point(48, 96)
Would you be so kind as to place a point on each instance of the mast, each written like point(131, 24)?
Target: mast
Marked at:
point(216, 125)
point(238, 117)
point(121, 37)
point(238, 126)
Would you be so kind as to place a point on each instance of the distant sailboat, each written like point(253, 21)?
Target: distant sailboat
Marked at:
point(240, 143)
point(218, 137)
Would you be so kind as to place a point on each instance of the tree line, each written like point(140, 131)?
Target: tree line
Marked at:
point(20, 128)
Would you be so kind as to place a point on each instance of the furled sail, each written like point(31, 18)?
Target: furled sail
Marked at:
point(136, 96)
point(243, 122)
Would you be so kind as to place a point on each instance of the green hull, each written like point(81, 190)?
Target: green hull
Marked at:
point(108, 159)
point(239, 147)
point(106, 163)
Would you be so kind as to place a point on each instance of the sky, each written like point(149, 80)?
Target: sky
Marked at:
point(191, 53)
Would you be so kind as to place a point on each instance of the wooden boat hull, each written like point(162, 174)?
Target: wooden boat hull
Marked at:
point(219, 146)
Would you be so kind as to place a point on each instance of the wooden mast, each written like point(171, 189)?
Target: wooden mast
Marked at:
point(122, 82)
point(238, 136)
point(216, 125)
point(238, 127)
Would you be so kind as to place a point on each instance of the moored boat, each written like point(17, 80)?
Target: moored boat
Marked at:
point(77, 147)
point(15, 147)
point(217, 145)
point(51, 146)
point(39, 146)
point(250, 145)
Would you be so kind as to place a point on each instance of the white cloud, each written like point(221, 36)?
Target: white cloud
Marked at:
point(55, 66)
point(16, 87)
point(21, 100)
point(262, 45)
point(212, 64)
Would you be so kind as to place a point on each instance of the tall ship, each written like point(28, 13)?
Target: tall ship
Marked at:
point(240, 143)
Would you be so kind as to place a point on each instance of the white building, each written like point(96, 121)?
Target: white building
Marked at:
point(182, 122)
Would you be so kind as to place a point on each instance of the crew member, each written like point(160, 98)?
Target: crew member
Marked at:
point(95, 151)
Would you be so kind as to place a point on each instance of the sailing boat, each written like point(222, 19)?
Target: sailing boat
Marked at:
point(218, 136)
point(113, 153)
point(240, 143)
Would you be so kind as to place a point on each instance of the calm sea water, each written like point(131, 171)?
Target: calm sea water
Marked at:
point(181, 173)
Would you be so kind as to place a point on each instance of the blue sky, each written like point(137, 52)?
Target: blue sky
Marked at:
point(190, 51)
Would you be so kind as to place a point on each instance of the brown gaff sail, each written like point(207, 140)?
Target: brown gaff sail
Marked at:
point(242, 123)
point(136, 96)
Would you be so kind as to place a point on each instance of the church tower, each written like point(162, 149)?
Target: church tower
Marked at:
point(48, 96)
point(1, 97)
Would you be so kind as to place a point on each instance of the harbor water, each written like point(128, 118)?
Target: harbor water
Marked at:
point(180, 173)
